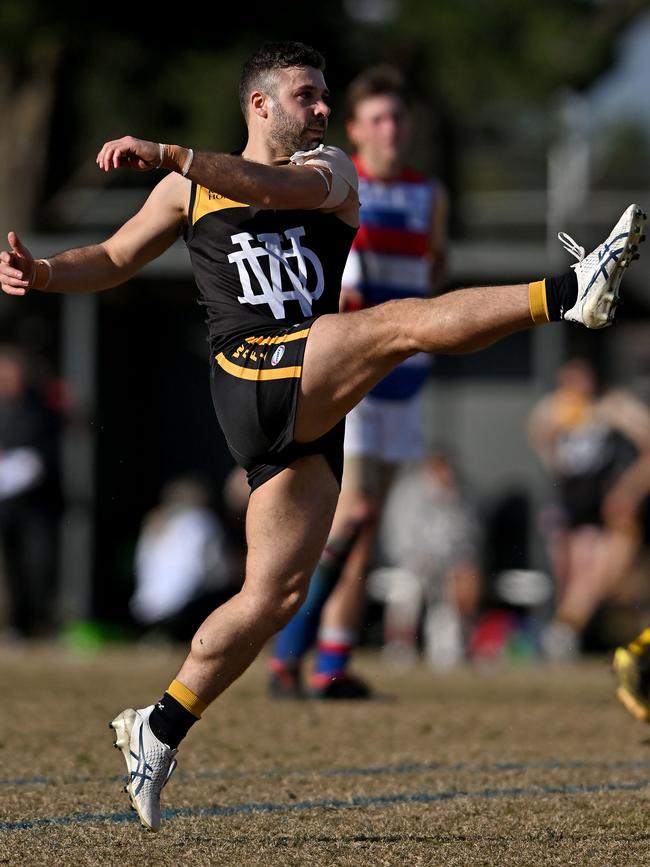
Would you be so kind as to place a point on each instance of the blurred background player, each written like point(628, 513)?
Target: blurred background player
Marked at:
point(431, 539)
point(183, 566)
point(399, 251)
point(591, 441)
point(629, 502)
point(30, 499)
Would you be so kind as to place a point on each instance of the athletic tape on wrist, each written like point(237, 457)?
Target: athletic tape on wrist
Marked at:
point(161, 154)
point(188, 162)
point(48, 264)
point(32, 280)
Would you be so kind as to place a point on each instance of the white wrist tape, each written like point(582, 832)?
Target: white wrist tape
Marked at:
point(48, 264)
point(161, 154)
point(188, 162)
point(49, 272)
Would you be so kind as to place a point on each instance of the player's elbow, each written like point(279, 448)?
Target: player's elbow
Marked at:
point(118, 265)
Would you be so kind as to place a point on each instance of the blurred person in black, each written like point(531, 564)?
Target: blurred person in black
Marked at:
point(29, 499)
point(589, 439)
point(629, 504)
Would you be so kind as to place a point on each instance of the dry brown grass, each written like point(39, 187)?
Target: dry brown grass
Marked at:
point(512, 767)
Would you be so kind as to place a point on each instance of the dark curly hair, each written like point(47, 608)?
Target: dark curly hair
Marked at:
point(257, 73)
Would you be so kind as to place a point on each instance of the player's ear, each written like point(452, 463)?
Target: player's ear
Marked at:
point(259, 103)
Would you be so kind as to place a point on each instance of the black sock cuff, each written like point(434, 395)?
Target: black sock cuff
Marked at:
point(561, 294)
point(170, 721)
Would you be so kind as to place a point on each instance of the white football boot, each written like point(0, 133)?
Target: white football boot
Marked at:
point(599, 274)
point(150, 763)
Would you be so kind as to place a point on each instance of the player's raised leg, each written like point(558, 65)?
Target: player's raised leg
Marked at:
point(348, 353)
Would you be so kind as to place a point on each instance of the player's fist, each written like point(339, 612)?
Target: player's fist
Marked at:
point(16, 267)
point(130, 153)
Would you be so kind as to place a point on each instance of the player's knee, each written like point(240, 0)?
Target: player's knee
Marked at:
point(288, 604)
point(403, 317)
point(357, 508)
point(365, 510)
point(274, 607)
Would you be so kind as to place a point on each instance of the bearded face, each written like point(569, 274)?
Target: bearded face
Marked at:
point(298, 109)
point(290, 134)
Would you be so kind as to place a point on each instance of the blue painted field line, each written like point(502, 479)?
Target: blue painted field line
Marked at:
point(328, 804)
point(372, 770)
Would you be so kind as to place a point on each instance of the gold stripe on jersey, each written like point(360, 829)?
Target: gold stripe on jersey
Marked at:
point(207, 202)
point(283, 338)
point(255, 374)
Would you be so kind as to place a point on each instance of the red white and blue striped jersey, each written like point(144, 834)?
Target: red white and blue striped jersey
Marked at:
point(390, 258)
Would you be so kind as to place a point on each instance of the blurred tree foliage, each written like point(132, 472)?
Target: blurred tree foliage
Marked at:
point(73, 75)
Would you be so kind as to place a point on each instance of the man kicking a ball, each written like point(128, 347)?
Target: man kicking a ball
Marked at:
point(269, 233)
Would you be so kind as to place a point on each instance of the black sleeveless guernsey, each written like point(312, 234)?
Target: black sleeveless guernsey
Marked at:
point(257, 269)
point(263, 277)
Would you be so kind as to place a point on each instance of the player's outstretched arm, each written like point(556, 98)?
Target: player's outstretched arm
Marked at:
point(100, 266)
point(299, 186)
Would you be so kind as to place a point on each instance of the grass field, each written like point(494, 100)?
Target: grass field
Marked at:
point(528, 765)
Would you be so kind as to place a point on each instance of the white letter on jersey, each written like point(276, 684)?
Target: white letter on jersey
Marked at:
point(272, 292)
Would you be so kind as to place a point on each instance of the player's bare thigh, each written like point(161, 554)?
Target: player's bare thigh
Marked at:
point(346, 355)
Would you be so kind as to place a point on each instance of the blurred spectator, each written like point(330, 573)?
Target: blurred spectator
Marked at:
point(432, 539)
point(588, 442)
point(516, 599)
point(29, 499)
point(183, 565)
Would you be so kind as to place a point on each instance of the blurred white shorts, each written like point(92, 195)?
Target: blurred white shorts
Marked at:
point(387, 430)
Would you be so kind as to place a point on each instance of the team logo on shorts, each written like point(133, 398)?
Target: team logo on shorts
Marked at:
point(276, 358)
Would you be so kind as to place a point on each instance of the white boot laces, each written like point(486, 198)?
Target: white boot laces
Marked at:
point(571, 246)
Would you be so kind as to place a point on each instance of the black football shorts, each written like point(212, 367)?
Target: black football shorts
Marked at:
point(255, 384)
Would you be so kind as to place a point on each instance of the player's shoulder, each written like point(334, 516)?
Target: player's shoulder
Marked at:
point(173, 184)
point(173, 190)
point(434, 187)
point(409, 175)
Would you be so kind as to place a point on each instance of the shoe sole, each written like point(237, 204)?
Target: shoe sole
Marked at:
point(592, 308)
point(122, 725)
